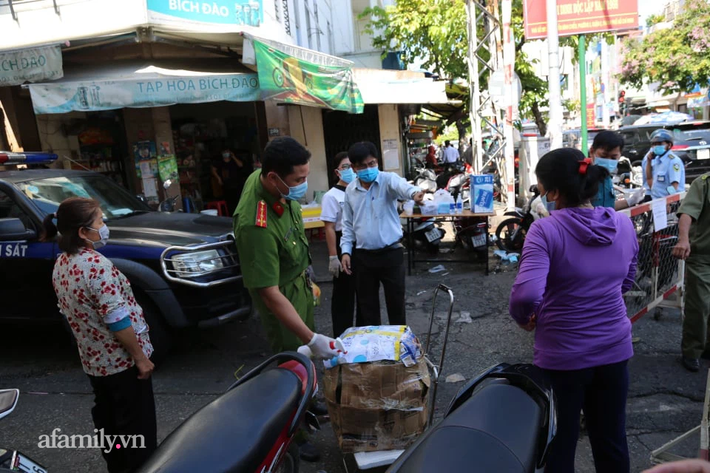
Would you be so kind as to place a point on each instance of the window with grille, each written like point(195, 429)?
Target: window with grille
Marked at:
point(286, 16)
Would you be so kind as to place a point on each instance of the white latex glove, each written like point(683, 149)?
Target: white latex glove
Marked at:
point(636, 197)
point(334, 266)
point(321, 347)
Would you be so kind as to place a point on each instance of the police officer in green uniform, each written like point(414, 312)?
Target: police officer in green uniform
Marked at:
point(694, 247)
point(273, 249)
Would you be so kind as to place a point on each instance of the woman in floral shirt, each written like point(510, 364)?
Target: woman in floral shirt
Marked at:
point(109, 328)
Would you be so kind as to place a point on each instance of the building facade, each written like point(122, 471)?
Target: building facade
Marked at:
point(124, 81)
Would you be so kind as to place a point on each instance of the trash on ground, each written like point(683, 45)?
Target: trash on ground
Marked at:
point(464, 318)
point(437, 269)
point(507, 257)
point(455, 378)
point(420, 293)
point(445, 274)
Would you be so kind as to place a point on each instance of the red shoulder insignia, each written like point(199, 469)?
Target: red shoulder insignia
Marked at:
point(261, 214)
point(278, 208)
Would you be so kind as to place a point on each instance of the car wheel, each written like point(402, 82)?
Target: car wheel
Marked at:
point(160, 334)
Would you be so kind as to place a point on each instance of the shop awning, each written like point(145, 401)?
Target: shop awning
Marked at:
point(137, 85)
point(381, 86)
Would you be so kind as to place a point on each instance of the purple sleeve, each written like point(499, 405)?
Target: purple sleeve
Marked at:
point(631, 276)
point(531, 281)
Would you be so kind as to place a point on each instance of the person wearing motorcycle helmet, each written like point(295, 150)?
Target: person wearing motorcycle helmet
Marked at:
point(663, 170)
point(605, 152)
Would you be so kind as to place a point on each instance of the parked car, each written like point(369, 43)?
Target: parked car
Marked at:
point(637, 141)
point(183, 267)
point(690, 144)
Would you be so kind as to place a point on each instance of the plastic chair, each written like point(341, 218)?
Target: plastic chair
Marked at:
point(220, 206)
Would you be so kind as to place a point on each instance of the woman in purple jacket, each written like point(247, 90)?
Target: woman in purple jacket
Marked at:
point(575, 266)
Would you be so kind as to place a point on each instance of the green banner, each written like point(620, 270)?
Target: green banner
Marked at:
point(296, 78)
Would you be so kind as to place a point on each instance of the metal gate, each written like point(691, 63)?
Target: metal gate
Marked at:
point(342, 129)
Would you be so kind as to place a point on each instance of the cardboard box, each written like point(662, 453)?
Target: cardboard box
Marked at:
point(482, 193)
point(380, 405)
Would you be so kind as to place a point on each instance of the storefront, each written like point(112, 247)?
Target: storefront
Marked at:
point(146, 124)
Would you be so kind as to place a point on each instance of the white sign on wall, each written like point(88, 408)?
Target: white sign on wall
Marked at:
point(30, 65)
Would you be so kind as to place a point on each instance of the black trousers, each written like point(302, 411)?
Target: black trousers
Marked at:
point(342, 304)
point(601, 393)
point(371, 268)
point(124, 405)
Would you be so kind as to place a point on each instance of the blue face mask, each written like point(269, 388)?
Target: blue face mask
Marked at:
point(347, 175)
point(296, 192)
point(659, 150)
point(608, 164)
point(368, 175)
point(549, 205)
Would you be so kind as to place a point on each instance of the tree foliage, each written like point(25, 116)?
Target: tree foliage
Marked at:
point(677, 58)
point(435, 31)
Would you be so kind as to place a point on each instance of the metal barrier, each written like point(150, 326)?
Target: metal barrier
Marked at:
point(659, 276)
point(659, 282)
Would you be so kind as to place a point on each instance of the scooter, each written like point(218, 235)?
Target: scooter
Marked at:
point(425, 180)
point(250, 428)
point(504, 420)
point(12, 460)
point(510, 234)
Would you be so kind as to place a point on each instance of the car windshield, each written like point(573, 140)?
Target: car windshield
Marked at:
point(49, 192)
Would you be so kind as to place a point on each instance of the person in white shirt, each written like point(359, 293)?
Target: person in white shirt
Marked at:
point(342, 304)
point(371, 235)
point(451, 154)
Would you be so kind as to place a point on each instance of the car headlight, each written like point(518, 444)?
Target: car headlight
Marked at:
point(199, 263)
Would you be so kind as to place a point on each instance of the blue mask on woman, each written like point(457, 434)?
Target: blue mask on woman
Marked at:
point(295, 192)
point(549, 205)
point(608, 164)
point(659, 150)
point(368, 175)
point(347, 175)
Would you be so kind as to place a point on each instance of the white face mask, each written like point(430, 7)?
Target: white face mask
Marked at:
point(103, 237)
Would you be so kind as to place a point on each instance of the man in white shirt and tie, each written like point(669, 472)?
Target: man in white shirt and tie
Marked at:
point(451, 154)
point(371, 234)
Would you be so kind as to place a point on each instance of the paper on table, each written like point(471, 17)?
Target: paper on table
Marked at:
point(660, 216)
point(149, 188)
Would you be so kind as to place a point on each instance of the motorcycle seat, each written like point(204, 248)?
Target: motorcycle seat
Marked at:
point(496, 430)
point(233, 433)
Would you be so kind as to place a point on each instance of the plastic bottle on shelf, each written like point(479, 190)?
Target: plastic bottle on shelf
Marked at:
point(459, 204)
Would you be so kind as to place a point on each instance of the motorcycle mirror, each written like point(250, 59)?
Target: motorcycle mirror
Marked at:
point(167, 184)
point(533, 189)
point(8, 401)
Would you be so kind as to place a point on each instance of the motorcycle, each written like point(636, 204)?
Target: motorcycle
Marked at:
point(425, 234)
point(510, 234)
point(250, 427)
point(168, 205)
point(425, 180)
point(502, 420)
point(12, 460)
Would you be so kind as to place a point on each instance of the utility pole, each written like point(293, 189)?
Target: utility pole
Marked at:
point(555, 94)
point(508, 69)
point(474, 86)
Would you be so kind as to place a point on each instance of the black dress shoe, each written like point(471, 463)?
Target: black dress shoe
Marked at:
point(691, 364)
point(308, 452)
